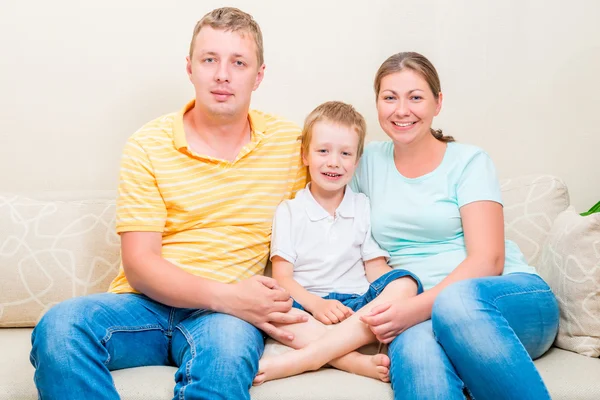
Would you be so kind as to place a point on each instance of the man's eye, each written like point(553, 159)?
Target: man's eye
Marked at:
point(209, 60)
point(240, 63)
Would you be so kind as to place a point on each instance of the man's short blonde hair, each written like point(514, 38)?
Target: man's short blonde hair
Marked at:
point(338, 113)
point(234, 20)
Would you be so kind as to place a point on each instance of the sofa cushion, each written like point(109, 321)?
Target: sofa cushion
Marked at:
point(569, 376)
point(531, 203)
point(571, 266)
point(54, 246)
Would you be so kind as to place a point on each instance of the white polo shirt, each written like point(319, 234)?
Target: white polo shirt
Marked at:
point(327, 252)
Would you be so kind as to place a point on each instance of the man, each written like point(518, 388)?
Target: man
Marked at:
point(197, 193)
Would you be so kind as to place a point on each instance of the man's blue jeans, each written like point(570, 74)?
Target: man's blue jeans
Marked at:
point(483, 334)
point(79, 341)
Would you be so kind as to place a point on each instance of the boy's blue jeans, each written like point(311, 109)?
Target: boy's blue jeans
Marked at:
point(483, 334)
point(79, 341)
point(357, 301)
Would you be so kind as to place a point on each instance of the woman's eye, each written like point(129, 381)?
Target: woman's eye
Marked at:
point(389, 98)
point(416, 98)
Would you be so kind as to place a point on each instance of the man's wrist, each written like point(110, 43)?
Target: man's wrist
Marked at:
point(219, 297)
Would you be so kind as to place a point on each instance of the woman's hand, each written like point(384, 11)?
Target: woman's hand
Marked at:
point(388, 320)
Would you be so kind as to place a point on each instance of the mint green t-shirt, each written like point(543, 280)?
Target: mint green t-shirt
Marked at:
point(417, 221)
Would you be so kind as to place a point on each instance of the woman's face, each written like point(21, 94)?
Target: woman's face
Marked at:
point(406, 107)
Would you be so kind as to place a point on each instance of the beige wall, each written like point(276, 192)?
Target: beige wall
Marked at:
point(520, 77)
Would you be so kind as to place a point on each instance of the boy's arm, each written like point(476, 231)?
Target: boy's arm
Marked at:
point(326, 311)
point(283, 272)
point(375, 268)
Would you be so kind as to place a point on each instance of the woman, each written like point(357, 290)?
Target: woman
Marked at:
point(436, 208)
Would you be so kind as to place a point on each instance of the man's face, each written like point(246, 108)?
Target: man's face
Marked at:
point(224, 71)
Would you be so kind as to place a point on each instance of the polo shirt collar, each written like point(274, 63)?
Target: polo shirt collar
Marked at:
point(258, 126)
point(316, 212)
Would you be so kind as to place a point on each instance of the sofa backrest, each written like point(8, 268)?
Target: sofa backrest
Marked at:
point(531, 203)
point(54, 246)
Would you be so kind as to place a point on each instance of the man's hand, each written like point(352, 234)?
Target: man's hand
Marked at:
point(330, 311)
point(260, 301)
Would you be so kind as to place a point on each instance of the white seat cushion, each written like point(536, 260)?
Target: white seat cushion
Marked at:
point(569, 376)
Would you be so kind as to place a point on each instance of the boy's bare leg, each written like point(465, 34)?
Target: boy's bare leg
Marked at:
point(372, 366)
point(343, 338)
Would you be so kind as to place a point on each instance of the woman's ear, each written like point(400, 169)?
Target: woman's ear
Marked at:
point(438, 108)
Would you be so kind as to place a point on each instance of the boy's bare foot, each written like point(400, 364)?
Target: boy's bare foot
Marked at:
point(376, 367)
point(269, 368)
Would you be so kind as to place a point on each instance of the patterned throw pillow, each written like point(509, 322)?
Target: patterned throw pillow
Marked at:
point(52, 249)
point(571, 266)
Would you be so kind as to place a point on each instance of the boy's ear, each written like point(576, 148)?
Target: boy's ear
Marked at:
point(304, 158)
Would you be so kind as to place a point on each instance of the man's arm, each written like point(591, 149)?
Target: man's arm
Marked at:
point(258, 300)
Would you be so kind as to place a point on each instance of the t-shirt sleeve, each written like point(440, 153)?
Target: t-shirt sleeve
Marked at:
point(301, 179)
point(369, 248)
point(281, 238)
point(478, 181)
point(140, 206)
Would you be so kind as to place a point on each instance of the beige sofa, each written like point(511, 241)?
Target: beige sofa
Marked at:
point(59, 245)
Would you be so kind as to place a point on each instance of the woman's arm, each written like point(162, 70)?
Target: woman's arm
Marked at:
point(483, 226)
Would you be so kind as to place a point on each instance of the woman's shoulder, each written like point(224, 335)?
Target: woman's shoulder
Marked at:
point(464, 152)
point(378, 147)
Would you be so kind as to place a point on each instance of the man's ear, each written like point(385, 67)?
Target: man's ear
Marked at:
point(188, 66)
point(259, 76)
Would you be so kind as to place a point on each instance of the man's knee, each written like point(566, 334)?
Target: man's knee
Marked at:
point(224, 337)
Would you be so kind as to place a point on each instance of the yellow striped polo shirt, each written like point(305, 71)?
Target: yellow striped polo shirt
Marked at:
point(214, 215)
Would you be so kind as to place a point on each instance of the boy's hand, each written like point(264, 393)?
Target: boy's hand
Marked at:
point(330, 311)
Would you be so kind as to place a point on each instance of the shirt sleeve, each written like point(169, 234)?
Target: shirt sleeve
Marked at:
point(281, 238)
point(369, 248)
point(301, 179)
point(140, 206)
point(478, 181)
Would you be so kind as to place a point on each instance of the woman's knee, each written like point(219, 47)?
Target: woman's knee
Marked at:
point(420, 368)
point(457, 305)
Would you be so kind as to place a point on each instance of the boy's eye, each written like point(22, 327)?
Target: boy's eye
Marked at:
point(321, 151)
point(347, 154)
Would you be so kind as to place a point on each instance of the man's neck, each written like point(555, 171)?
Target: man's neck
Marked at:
point(216, 136)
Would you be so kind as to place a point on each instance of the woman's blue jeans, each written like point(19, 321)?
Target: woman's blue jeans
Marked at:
point(483, 335)
point(79, 341)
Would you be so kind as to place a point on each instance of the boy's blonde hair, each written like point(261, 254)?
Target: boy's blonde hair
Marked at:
point(338, 113)
point(234, 20)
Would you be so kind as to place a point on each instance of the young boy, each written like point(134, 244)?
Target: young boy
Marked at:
point(323, 254)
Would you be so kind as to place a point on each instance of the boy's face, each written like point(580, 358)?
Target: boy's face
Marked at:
point(332, 155)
